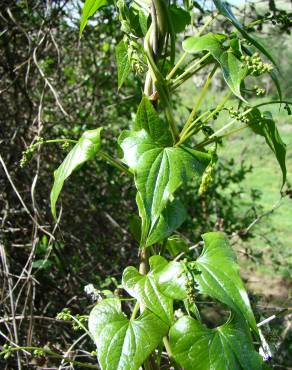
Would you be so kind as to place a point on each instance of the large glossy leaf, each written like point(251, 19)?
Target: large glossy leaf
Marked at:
point(228, 347)
point(264, 125)
point(123, 62)
point(86, 148)
point(123, 344)
point(144, 288)
point(217, 275)
point(90, 7)
point(160, 169)
point(224, 9)
point(232, 70)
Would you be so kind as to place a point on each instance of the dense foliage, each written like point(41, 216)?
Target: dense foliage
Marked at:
point(169, 162)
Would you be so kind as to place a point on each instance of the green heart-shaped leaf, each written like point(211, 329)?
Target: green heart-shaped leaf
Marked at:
point(228, 347)
point(86, 148)
point(160, 169)
point(144, 288)
point(159, 172)
point(217, 275)
point(123, 344)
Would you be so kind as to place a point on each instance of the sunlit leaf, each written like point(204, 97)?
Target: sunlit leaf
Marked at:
point(227, 347)
point(123, 344)
point(160, 169)
point(123, 62)
point(86, 148)
point(217, 275)
point(90, 7)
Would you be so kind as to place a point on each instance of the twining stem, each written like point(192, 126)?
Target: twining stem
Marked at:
point(159, 82)
point(51, 354)
point(199, 100)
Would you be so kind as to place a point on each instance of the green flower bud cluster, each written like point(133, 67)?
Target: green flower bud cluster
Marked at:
point(208, 175)
point(28, 153)
point(189, 286)
point(238, 115)
point(255, 65)
point(64, 315)
point(134, 56)
point(7, 351)
point(282, 19)
point(65, 145)
point(123, 11)
point(259, 91)
point(80, 321)
point(39, 352)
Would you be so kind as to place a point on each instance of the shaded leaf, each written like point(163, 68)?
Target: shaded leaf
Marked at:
point(233, 72)
point(85, 149)
point(180, 18)
point(169, 220)
point(175, 245)
point(123, 62)
point(264, 125)
point(123, 344)
point(90, 7)
point(227, 347)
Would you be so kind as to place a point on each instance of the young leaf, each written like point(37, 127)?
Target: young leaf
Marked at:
point(89, 9)
point(228, 347)
point(144, 289)
point(123, 344)
point(264, 125)
point(86, 148)
point(224, 9)
point(233, 72)
point(217, 275)
point(123, 62)
point(170, 276)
